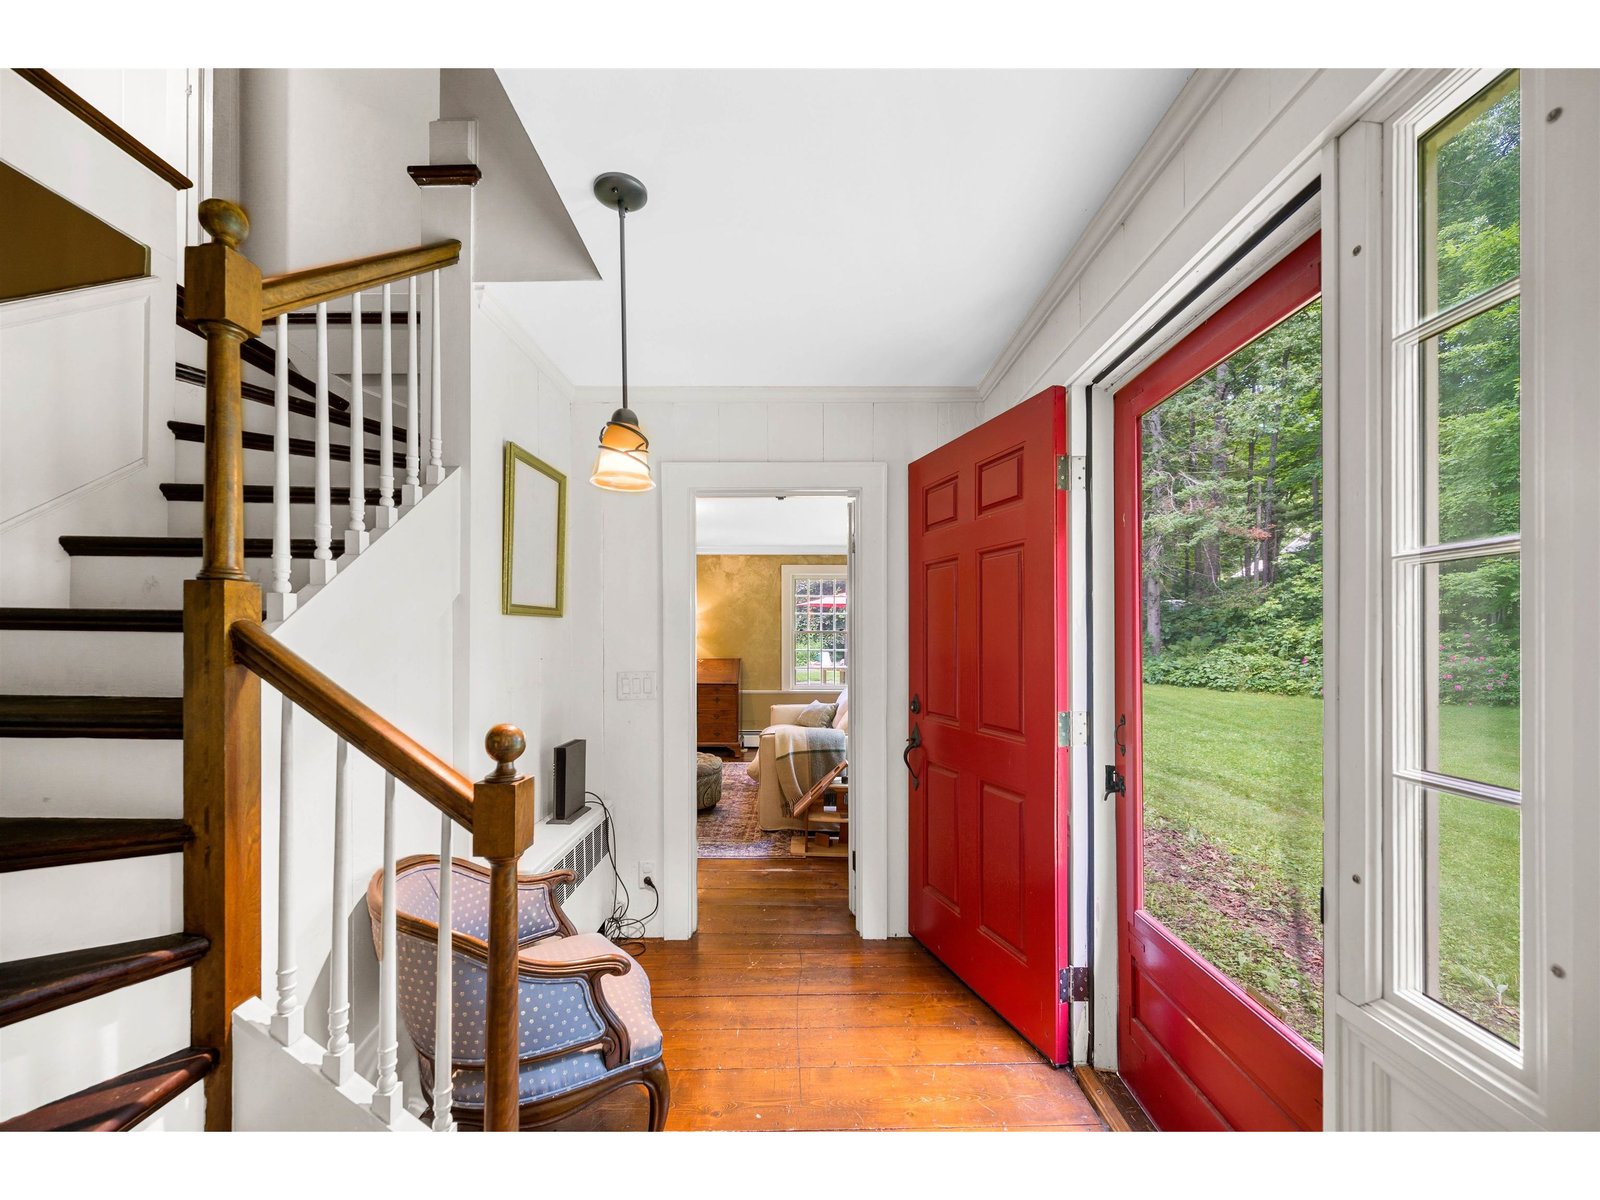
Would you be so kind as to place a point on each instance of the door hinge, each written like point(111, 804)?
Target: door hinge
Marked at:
point(1073, 984)
point(1072, 729)
point(1322, 906)
point(1071, 472)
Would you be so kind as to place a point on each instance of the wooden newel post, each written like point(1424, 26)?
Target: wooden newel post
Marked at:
point(502, 828)
point(221, 699)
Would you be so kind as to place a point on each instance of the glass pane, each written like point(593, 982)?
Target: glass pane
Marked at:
point(1474, 903)
point(1232, 720)
point(1471, 427)
point(821, 623)
point(1473, 658)
point(1470, 173)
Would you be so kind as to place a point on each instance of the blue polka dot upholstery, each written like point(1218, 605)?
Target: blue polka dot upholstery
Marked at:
point(555, 1015)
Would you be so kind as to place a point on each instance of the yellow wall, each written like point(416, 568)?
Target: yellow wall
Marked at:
point(740, 615)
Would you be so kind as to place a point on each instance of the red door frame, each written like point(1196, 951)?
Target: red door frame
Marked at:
point(1019, 980)
point(1195, 1049)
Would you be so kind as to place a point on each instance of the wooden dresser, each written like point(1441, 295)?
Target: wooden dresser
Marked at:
point(717, 709)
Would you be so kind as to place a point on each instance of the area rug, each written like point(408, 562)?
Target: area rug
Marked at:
point(729, 830)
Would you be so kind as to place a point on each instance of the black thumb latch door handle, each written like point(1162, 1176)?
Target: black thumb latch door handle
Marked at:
point(912, 743)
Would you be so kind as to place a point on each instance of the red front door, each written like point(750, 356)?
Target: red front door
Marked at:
point(1219, 831)
point(988, 800)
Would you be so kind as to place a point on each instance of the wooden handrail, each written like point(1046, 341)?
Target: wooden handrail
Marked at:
point(105, 126)
point(435, 780)
point(315, 285)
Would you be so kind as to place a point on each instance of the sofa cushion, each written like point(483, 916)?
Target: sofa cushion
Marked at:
point(816, 715)
point(841, 714)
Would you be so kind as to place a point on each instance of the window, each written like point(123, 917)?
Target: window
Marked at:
point(816, 628)
point(1455, 565)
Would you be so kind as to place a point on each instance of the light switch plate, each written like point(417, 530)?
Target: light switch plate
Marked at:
point(636, 685)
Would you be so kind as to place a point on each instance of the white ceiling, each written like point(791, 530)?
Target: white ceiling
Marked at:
point(822, 228)
point(767, 525)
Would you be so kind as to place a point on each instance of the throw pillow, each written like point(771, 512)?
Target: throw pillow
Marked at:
point(841, 715)
point(815, 715)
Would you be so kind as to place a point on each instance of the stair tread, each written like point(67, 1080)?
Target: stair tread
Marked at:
point(191, 431)
point(143, 620)
point(261, 493)
point(143, 717)
point(256, 353)
point(167, 546)
point(123, 1101)
point(297, 404)
point(28, 843)
point(30, 987)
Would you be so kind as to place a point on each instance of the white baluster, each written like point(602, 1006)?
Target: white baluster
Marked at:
point(436, 397)
point(323, 565)
point(280, 592)
point(412, 492)
point(443, 1025)
point(288, 1021)
point(338, 1061)
point(355, 534)
point(387, 1100)
point(386, 514)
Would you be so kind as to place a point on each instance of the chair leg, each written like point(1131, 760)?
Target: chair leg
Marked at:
point(655, 1082)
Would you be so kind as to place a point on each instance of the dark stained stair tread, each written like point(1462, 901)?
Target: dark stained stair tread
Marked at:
point(369, 315)
point(122, 1102)
point(256, 353)
point(297, 404)
point(261, 493)
point(30, 987)
point(114, 546)
point(137, 620)
point(28, 843)
point(190, 431)
point(141, 717)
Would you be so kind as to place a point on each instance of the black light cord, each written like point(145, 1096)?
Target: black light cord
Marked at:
point(628, 932)
point(622, 253)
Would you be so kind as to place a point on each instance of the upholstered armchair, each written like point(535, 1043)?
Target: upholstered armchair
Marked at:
point(585, 1026)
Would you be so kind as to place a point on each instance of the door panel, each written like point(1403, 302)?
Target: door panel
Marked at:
point(988, 676)
point(1203, 1044)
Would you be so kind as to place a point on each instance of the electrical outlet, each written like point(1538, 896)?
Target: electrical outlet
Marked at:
point(646, 869)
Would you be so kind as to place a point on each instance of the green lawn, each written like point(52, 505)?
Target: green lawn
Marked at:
point(1233, 806)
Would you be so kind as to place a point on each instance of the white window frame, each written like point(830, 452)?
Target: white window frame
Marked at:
point(1395, 1061)
point(790, 572)
point(1405, 891)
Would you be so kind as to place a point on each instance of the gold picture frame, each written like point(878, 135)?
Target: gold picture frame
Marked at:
point(526, 581)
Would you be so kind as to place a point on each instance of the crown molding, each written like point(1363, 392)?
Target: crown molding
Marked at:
point(778, 395)
point(1199, 93)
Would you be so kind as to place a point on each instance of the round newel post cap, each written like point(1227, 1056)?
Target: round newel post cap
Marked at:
point(505, 744)
point(225, 221)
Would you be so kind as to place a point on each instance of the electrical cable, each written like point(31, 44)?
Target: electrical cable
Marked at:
point(628, 932)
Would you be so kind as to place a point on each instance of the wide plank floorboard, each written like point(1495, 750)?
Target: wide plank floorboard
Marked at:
point(778, 1016)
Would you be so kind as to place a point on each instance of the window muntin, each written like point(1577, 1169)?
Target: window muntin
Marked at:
point(1455, 572)
point(817, 626)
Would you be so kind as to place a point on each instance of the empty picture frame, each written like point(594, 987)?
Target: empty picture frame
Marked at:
point(533, 554)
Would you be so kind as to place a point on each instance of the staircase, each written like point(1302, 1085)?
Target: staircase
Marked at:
point(92, 712)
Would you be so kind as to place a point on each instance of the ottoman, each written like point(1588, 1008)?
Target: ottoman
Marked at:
point(707, 781)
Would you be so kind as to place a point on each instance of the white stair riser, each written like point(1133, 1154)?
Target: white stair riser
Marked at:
point(100, 662)
point(65, 1051)
point(122, 900)
point(91, 777)
point(105, 581)
point(190, 457)
point(190, 405)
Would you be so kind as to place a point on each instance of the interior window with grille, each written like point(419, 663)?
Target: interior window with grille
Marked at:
point(1455, 564)
point(817, 628)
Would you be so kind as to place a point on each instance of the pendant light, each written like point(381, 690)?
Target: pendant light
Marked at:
point(623, 461)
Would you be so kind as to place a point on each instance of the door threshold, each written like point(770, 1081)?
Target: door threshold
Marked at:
point(1113, 1101)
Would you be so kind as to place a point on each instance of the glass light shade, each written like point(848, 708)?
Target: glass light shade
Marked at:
point(623, 464)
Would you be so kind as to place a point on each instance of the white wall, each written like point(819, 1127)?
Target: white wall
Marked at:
point(323, 157)
point(614, 575)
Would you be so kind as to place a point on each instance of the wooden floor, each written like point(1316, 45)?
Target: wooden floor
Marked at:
point(777, 1016)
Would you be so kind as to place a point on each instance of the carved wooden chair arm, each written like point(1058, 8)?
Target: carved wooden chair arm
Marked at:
point(616, 1044)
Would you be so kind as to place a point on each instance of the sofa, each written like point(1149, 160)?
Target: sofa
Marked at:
point(769, 801)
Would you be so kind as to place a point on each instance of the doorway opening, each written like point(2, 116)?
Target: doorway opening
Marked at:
point(828, 652)
point(772, 655)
